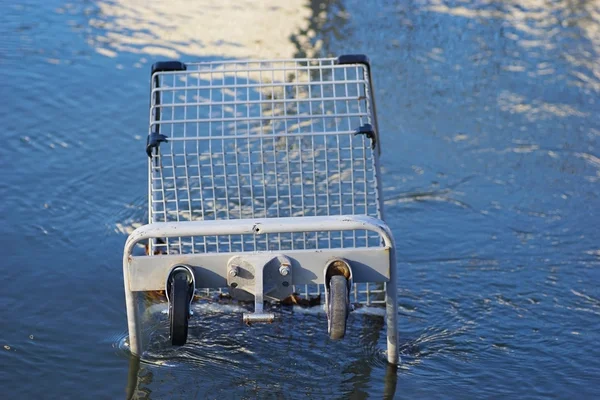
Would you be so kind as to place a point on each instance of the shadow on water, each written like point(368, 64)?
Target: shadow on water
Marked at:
point(325, 23)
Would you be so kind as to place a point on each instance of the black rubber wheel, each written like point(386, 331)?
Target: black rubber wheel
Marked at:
point(179, 308)
point(338, 306)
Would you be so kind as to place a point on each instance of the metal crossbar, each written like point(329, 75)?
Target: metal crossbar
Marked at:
point(262, 139)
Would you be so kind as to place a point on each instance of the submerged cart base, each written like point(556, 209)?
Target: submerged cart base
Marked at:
point(264, 176)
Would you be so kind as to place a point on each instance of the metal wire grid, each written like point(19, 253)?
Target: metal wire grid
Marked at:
point(260, 139)
point(370, 294)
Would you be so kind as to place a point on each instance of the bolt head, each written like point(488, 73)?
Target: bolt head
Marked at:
point(234, 271)
point(284, 270)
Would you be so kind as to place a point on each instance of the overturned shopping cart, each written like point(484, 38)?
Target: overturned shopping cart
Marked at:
point(263, 181)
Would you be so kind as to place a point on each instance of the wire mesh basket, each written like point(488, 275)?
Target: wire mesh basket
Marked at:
point(264, 184)
point(261, 139)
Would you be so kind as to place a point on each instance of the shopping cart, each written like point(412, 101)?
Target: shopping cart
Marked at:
point(264, 182)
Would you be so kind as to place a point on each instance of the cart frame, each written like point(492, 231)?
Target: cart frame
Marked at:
point(202, 247)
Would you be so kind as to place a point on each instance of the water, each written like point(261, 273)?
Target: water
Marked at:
point(490, 130)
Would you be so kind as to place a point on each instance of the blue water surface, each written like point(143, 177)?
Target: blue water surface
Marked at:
point(488, 112)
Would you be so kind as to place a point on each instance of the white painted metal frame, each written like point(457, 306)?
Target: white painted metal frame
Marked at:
point(262, 160)
point(134, 277)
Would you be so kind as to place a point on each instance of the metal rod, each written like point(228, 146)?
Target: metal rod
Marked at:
point(258, 136)
point(261, 118)
point(258, 315)
point(254, 85)
point(258, 289)
point(132, 311)
point(259, 226)
point(191, 71)
point(391, 309)
point(248, 102)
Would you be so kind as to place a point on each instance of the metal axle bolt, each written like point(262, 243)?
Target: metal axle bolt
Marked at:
point(284, 270)
point(234, 270)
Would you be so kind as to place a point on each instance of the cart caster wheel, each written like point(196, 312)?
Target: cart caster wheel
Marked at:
point(337, 307)
point(179, 308)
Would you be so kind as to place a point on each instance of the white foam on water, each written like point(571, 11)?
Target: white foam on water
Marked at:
point(316, 310)
point(200, 308)
point(218, 308)
point(233, 308)
point(158, 308)
point(379, 311)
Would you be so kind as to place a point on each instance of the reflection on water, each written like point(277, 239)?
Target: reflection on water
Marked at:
point(184, 29)
point(488, 116)
point(263, 359)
